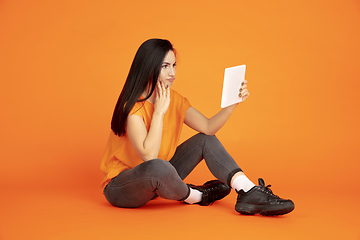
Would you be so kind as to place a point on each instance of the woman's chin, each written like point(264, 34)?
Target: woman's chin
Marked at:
point(167, 84)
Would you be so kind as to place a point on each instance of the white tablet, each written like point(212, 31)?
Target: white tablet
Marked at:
point(233, 78)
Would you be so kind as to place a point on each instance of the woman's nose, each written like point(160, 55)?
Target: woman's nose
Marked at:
point(172, 71)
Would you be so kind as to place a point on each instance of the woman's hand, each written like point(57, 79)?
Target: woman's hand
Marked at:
point(162, 100)
point(243, 92)
point(147, 142)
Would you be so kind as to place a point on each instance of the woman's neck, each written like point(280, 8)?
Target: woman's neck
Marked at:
point(151, 98)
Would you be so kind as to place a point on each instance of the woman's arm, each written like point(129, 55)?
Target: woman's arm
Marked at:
point(200, 123)
point(147, 144)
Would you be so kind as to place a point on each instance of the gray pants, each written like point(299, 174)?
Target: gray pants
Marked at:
point(137, 186)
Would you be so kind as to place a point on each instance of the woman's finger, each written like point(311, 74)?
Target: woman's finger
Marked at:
point(168, 92)
point(244, 96)
point(164, 91)
point(242, 87)
point(162, 87)
point(243, 93)
point(158, 90)
point(243, 90)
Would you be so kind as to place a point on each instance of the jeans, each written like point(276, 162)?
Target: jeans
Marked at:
point(136, 186)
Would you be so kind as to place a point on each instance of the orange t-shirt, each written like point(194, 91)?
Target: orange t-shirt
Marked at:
point(119, 153)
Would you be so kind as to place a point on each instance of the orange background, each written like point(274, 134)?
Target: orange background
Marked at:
point(63, 64)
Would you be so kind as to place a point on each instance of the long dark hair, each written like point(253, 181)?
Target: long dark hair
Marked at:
point(144, 72)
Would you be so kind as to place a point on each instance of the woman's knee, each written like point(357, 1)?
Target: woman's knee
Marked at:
point(158, 168)
point(206, 139)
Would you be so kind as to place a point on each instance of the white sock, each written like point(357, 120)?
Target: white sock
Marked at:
point(195, 196)
point(242, 182)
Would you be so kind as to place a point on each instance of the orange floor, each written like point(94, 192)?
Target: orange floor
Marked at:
point(67, 214)
point(62, 66)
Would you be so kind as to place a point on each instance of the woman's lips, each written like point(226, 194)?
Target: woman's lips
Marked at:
point(171, 79)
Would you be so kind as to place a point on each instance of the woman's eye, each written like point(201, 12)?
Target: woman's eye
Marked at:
point(164, 66)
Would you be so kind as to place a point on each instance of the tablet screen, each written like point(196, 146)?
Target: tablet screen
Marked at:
point(233, 78)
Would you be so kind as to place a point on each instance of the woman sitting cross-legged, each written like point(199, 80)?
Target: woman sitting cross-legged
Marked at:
point(143, 160)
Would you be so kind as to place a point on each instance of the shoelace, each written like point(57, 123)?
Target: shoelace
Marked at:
point(266, 189)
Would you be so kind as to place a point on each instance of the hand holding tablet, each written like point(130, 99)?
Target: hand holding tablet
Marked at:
point(233, 79)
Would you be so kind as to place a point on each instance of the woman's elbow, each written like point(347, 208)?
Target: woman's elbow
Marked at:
point(209, 132)
point(147, 157)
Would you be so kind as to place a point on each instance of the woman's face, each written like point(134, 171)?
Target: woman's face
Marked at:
point(167, 73)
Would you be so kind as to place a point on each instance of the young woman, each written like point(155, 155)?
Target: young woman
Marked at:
point(142, 159)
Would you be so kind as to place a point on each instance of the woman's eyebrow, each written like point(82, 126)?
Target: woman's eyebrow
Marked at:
point(168, 63)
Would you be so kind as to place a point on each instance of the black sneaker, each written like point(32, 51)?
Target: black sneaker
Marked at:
point(260, 199)
point(212, 191)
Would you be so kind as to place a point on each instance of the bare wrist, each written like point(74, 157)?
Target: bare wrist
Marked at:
point(160, 114)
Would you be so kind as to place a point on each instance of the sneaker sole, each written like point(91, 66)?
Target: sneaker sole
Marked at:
point(265, 210)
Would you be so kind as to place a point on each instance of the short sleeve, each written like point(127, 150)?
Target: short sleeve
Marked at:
point(185, 105)
point(136, 110)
